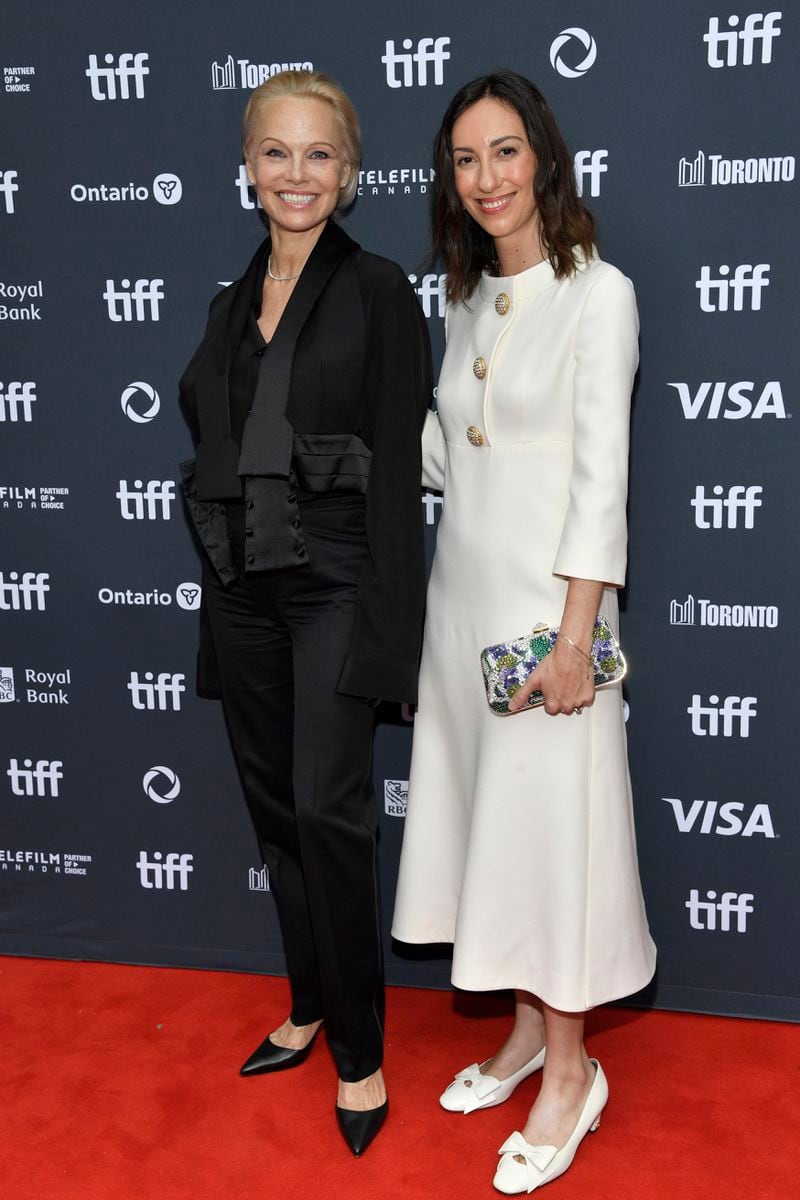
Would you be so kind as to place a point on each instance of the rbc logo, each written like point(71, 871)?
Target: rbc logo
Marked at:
point(104, 80)
point(39, 780)
point(593, 164)
point(746, 278)
point(24, 593)
point(160, 872)
point(739, 499)
point(758, 27)
point(706, 719)
point(429, 50)
point(8, 187)
point(703, 913)
point(158, 693)
point(134, 299)
point(17, 399)
point(142, 502)
point(585, 40)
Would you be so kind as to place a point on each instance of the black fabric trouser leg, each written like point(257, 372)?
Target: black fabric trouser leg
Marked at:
point(304, 755)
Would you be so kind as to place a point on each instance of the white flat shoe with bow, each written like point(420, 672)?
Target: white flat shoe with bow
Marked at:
point(470, 1090)
point(543, 1163)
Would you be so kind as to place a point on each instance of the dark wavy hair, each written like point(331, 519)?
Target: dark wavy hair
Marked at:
point(464, 248)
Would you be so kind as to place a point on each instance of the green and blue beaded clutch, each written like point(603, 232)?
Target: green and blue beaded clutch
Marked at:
point(507, 665)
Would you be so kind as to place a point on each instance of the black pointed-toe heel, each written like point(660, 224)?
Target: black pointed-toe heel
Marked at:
point(269, 1057)
point(360, 1128)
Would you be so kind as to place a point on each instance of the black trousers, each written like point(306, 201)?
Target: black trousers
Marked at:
point(304, 755)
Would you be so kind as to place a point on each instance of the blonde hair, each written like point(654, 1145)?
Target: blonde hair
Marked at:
point(319, 86)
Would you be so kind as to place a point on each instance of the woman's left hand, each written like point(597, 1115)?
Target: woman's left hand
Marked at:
point(565, 679)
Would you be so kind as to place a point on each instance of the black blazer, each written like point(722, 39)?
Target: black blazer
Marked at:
point(358, 382)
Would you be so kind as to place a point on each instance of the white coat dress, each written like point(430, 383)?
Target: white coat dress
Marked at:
point(519, 845)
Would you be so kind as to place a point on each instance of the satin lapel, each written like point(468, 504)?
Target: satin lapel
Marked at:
point(267, 439)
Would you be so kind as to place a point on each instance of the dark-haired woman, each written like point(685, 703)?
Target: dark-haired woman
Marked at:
point(519, 843)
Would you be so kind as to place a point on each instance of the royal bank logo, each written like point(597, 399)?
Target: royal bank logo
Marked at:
point(8, 692)
point(573, 53)
point(590, 165)
point(162, 693)
point(122, 77)
point(754, 38)
point(728, 718)
point(170, 871)
point(17, 79)
point(35, 779)
point(732, 401)
point(161, 785)
point(20, 293)
point(8, 186)
point(726, 914)
point(432, 292)
point(723, 508)
point(140, 402)
point(395, 797)
point(40, 497)
point(729, 616)
point(258, 880)
point(151, 501)
point(17, 400)
point(745, 285)
point(725, 820)
point(137, 301)
point(165, 189)
point(24, 594)
point(187, 596)
point(47, 687)
point(230, 74)
point(400, 64)
point(724, 172)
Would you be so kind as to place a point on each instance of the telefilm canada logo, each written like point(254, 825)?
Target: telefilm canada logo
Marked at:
point(727, 172)
point(753, 37)
point(712, 613)
point(17, 301)
point(231, 73)
point(24, 496)
point(732, 401)
point(120, 78)
point(40, 687)
point(417, 64)
point(395, 181)
point(8, 186)
point(395, 797)
point(573, 53)
point(18, 80)
point(187, 596)
point(165, 189)
point(16, 401)
point(44, 862)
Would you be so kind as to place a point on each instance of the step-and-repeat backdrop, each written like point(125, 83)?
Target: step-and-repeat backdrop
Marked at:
point(124, 207)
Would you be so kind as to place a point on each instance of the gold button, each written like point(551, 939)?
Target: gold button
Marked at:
point(502, 304)
point(474, 436)
point(479, 368)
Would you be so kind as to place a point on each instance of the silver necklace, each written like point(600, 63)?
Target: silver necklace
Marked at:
point(279, 278)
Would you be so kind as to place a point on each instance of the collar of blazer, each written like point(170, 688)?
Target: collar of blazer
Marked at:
point(267, 441)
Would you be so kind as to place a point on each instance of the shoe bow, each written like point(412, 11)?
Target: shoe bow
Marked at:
point(537, 1158)
point(482, 1086)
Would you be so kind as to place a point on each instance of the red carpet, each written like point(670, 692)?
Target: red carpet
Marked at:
point(121, 1082)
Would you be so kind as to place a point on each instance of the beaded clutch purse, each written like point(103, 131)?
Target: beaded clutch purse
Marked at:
point(507, 665)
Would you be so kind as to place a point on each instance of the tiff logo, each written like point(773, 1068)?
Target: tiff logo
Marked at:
point(758, 27)
point(429, 289)
point(39, 780)
point(160, 872)
point(23, 593)
point(746, 278)
point(17, 399)
point(158, 693)
point(429, 50)
point(135, 299)
point(104, 80)
point(146, 502)
point(727, 819)
point(8, 187)
point(591, 163)
point(739, 499)
point(703, 913)
point(733, 710)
